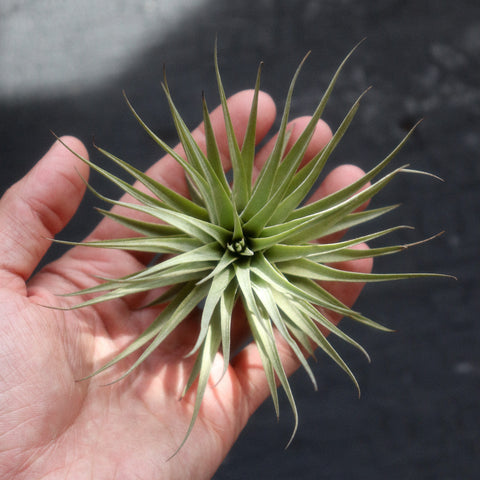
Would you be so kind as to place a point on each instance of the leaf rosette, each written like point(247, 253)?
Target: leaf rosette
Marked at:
point(246, 240)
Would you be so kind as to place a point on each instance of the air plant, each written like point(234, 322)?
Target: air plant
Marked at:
point(248, 242)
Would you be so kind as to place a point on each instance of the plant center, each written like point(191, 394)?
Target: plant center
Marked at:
point(240, 247)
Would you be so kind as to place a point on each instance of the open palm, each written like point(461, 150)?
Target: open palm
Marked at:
point(53, 426)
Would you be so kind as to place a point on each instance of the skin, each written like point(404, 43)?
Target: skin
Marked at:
point(53, 426)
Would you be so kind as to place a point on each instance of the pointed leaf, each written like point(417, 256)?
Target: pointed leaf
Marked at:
point(316, 271)
point(265, 181)
point(249, 142)
point(241, 184)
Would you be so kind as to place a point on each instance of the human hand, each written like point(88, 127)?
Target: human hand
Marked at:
point(51, 425)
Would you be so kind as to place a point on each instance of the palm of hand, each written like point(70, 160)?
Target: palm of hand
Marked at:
point(55, 422)
point(54, 426)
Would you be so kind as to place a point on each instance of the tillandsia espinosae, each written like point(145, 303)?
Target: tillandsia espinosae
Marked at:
point(248, 240)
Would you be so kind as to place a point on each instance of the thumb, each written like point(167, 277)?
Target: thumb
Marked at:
point(37, 207)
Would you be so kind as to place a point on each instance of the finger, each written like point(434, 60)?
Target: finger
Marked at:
point(37, 207)
point(168, 172)
point(319, 140)
point(248, 365)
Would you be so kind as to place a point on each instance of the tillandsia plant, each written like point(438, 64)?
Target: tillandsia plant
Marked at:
point(248, 241)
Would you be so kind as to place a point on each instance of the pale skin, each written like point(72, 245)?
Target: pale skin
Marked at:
point(53, 426)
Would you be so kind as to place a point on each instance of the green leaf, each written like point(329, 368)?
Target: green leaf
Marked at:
point(302, 183)
point(324, 299)
point(314, 226)
point(122, 287)
point(308, 269)
point(127, 188)
point(166, 296)
point(358, 218)
point(169, 197)
point(263, 335)
point(284, 291)
point(213, 155)
point(189, 301)
point(241, 183)
point(265, 181)
point(142, 244)
point(202, 369)
point(204, 253)
point(212, 189)
point(249, 142)
point(322, 320)
point(341, 195)
point(141, 226)
point(292, 161)
point(345, 254)
point(269, 273)
point(304, 322)
point(183, 303)
point(218, 285)
point(204, 231)
point(319, 251)
point(283, 173)
point(227, 259)
point(227, 302)
point(264, 338)
point(194, 173)
point(265, 297)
